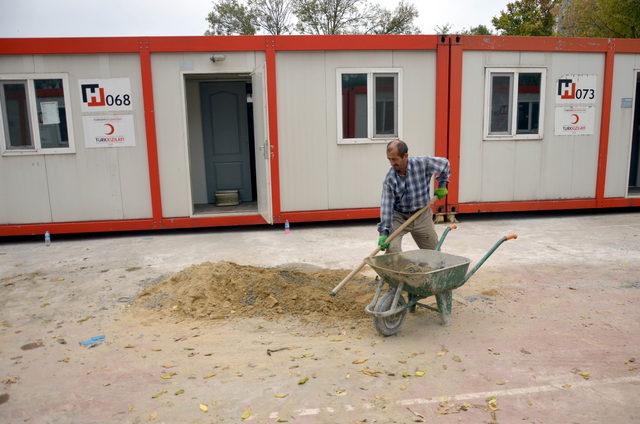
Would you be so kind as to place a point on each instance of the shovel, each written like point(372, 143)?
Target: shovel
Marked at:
point(393, 235)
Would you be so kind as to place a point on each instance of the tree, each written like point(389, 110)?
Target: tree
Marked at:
point(329, 16)
point(272, 16)
point(600, 18)
point(443, 29)
point(527, 17)
point(477, 30)
point(397, 21)
point(230, 18)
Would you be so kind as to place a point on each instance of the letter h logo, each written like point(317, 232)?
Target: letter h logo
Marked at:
point(566, 89)
point(90, 89)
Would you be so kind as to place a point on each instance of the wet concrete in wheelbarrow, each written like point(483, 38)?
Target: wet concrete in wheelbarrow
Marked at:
point(547, 331)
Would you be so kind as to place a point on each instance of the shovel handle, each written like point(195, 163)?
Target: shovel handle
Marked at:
point(393, 235)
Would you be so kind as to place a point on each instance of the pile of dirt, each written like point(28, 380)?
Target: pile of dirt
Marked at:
point(224, 289)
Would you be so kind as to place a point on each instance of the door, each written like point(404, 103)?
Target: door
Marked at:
point(227, 158)
point(261, 137)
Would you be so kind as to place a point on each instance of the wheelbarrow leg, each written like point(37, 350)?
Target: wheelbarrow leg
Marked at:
point(444, 301)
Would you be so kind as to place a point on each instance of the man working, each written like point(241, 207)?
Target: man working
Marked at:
point(406, 190)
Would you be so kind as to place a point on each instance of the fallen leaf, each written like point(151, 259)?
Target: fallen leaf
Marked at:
point(129, 346)
point(465, 406)
point(341, 392)
point(156, 350)
point(168, 366)
point(179, 392)
point(203, 407)
point(456, 358)
point(492, 403)
point(157, 395)
point(584, 374)
point(566, 386)
point(10, 380)
point(501, 383)
point(84, 319)
point(402, 361)
point(524, 351)
point(303, 380)
point(65, 360)
point(210, 375)
point(168, 375)
point(406, 374)
point(370, 372)
point(153, 416)
point(281, 420)
point(246, 414)
point(280, 395)
point(360, 361)
point(420, 373)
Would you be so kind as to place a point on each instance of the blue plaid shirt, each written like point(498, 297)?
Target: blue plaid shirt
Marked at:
point(411, 192)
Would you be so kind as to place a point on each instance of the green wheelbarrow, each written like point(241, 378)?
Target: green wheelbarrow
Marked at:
point(415, 275)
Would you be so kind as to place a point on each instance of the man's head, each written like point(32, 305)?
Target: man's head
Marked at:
point(398, 155)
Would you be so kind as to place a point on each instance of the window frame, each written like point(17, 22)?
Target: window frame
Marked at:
point(371, 138)
point(513, 135)
point(34, 126)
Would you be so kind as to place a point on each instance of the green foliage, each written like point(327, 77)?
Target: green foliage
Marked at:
point(477, 30)
point(443, 29)
point(272, 16)
point(527, 17)
point(329, 16)
point(600, 18)
point(397, 21)
point(229, 17)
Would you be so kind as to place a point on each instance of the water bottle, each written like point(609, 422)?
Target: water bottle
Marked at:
point(287, 228)
point(47, 238)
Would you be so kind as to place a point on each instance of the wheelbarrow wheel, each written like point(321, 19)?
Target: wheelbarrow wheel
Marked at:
point(388, 326)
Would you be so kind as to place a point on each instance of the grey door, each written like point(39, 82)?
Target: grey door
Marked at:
point(226, 138)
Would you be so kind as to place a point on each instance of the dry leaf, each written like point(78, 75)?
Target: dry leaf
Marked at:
point(492, 403)
point(246, 414)
point(281, 395)
point(420, 373)
point(157, 395)
point(156, 350)
point(204, 407)
point(168, 365)
point(179, 392)
point(129, 346)
point(168, 375)
point(153, 416)
point(210, 375)
point(370, 372)
point(281, 420)
point(566, 386)
point(501, 383)
point(465, 406)
point(584, 374)
point(456, 358)
point(406, 374)
point(303, 380)
point(360, 361)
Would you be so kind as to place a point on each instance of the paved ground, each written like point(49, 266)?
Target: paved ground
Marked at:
point(550, 327)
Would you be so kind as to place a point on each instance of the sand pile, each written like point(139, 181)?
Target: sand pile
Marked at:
point(224, 289)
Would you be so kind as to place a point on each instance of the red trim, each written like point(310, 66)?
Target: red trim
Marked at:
point(442, 105)
point(212, 221)
point(534, 205)
point(455, 111)
point(627, 45)
point(331, 215)
point(607, 87)
point(619, 202)
point(272, 110)
point(356, 42)
point(150, 128)
point(536, 44)
point(76, 227)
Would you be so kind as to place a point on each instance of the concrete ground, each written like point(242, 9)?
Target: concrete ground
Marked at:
point(547, 331)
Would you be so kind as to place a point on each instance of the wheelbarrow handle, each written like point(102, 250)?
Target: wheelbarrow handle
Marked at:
point(510, 236)
point(393, 235)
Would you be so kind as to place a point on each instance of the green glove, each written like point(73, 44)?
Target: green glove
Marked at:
point(381, 242)
point(440, 192)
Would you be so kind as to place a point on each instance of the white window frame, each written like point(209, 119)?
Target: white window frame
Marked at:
point(33, 116)
point(514, 104)
point(371, 137)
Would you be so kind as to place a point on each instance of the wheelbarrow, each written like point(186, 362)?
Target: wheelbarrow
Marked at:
point(415, 275)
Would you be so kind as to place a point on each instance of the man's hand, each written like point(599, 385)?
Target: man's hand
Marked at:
point(440, 192)
point(382, 242)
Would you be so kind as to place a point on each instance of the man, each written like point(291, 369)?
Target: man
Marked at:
point(406, 190)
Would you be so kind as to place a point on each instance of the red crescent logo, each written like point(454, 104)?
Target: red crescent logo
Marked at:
point(111, 129)
point(577, 118)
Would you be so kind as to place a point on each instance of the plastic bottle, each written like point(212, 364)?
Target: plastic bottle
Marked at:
point(47, 238)
point(287, 228)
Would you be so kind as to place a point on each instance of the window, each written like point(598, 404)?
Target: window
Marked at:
point(368, 105)
point(33, 114)
point(514, 103)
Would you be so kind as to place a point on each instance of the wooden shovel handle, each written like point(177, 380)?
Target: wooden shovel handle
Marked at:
point(393, 235)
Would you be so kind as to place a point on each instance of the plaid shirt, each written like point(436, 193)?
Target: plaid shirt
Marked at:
point(411, 192)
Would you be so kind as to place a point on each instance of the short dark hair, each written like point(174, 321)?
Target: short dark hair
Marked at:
point(400, 145)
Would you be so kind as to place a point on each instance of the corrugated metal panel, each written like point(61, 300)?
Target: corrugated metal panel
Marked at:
point(316, 172)
point(624, 77)
point(170, 112)
point(555, 167)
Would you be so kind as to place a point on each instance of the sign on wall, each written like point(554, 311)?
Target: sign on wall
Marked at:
point(106, 95)
point(576, 89)
point(108, 131)
point(575, 120)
